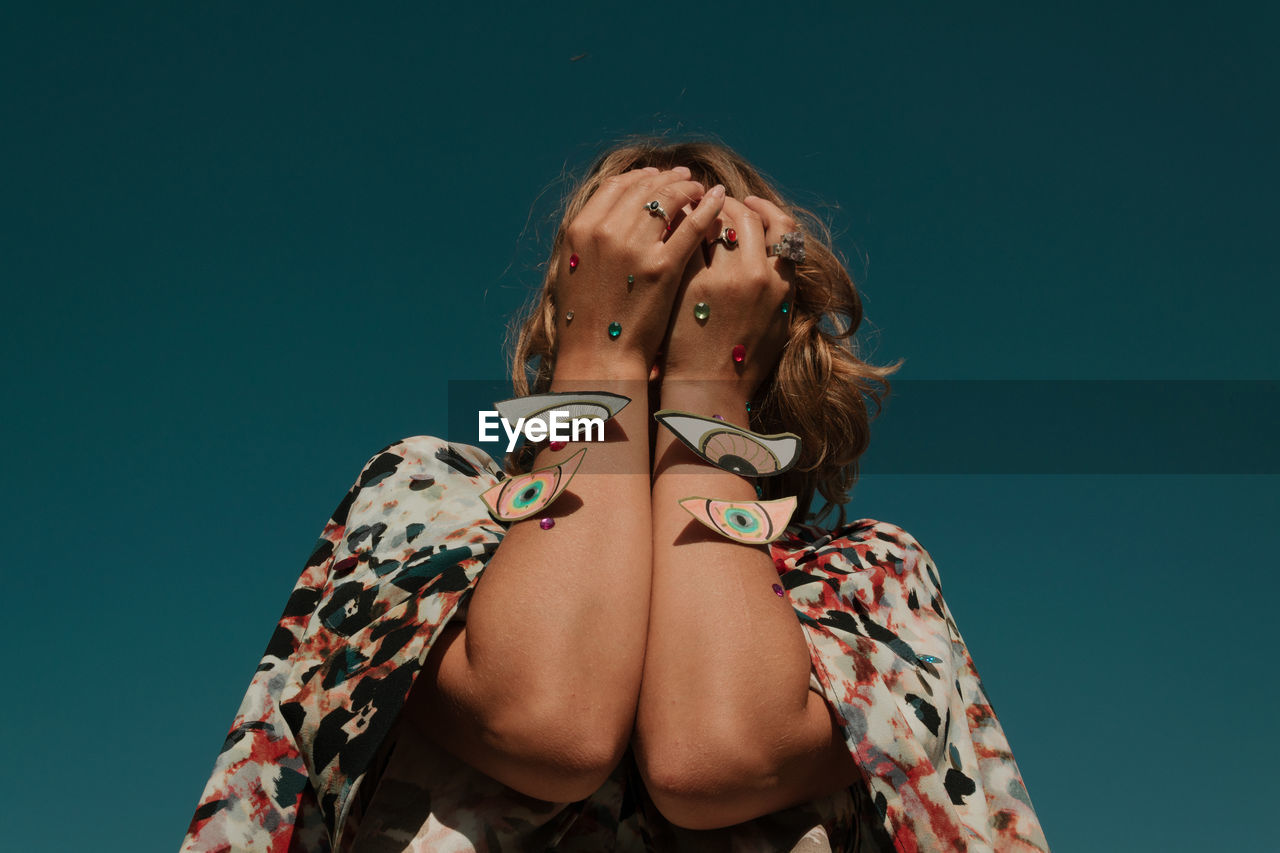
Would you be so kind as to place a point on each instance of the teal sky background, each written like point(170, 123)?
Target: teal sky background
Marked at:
point(244, 246)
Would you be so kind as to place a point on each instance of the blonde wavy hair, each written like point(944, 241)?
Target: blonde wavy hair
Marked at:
point(819, 388)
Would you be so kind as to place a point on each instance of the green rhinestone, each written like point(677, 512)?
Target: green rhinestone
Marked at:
point(702, 311)
point(631, 279)
point(786, 308)
point(615, 329)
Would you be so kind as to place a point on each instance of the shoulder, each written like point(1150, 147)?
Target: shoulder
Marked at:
point(420, 480)
point(421, 454)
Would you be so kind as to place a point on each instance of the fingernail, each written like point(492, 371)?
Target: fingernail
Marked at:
point(717, 190)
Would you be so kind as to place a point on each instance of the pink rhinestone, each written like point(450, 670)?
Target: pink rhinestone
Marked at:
point(718, 417)
point(557, 445)
point(548, 523)
point(777, 590)
point(739, 354)
point(573, 262)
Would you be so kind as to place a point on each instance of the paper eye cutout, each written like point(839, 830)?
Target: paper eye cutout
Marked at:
point(733, 448)
point(749, 522)
point(519, 497)
point(576, 405)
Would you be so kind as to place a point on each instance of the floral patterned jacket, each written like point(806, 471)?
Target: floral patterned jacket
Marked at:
point(403, 550)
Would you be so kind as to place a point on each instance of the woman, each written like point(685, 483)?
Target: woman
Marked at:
point(625, 678)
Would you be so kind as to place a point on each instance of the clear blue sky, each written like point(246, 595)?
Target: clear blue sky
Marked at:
point(246, 245)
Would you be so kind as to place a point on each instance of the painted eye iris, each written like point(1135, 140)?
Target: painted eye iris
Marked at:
point(732, 448)
point(749, 522)
point(524, 495)
point(529, 494)
point(742, 521)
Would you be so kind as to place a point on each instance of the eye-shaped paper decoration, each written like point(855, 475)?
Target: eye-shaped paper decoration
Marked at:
point(524, 495)
point(749, 522)
point(576, 404)
point(733, 448)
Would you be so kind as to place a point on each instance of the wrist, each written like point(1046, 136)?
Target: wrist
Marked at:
point(579, 366)
point(708, 398)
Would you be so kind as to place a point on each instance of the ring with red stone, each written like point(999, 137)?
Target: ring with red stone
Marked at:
point(729, 237)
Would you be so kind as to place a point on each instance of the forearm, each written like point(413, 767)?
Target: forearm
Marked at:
point(555, 630)
point(725, 713)
point(549, 664)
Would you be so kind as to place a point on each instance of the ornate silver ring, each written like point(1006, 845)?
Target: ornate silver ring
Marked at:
point(789, 246)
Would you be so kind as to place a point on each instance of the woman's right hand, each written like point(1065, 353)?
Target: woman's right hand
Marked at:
point(628, 267)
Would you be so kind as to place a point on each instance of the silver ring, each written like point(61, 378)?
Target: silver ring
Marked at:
point(655, 209)
point(790, 246)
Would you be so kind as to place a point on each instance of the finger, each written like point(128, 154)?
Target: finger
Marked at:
point(776, 220)
point(647, 188)
point(697, 224)
point(777, 224)
point(671, 197)
point(722, 235)
point(749, 225)
point(611, 189)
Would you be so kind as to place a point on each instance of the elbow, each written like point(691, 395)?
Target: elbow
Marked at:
point(555, 779)
point(555, 756)
point(707, 781)
point(544, 736)
point(562, 774)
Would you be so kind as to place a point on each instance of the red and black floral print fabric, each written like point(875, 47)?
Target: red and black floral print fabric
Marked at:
point(408, 542)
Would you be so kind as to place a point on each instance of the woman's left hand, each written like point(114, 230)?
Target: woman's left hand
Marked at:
point(741, 291)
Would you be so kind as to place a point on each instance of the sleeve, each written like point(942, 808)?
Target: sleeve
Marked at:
point(404, 546)
point(978, 758)
point(893, 667)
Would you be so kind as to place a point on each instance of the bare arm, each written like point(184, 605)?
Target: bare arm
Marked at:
point(727, 728)
point(539, 689)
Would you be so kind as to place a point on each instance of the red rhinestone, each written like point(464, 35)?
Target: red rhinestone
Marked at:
point(548, 523)
point(573, 262)
point(556, 445)
point(731, 235)
point(739, 354)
